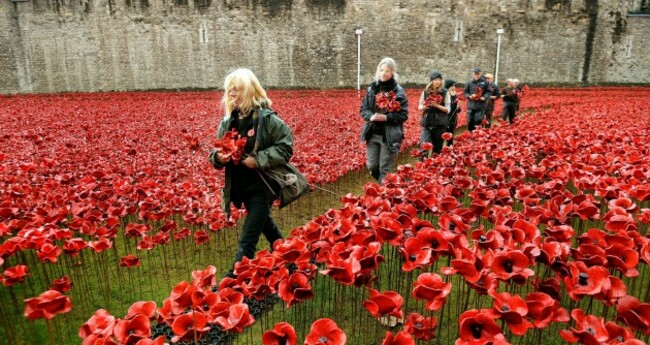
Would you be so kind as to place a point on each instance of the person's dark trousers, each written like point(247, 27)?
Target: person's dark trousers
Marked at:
point(433, 136)
point(509, 111)
point(450, 129)
point(474, 118)
point(488, 112)
point(258, 221)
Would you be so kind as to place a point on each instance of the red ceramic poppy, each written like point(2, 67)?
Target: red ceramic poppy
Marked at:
point(325, 332)
point(238, 318)
point(415, 254)
point(100, 324)
point(634, 313)
point(511, 265)
point(281, 334)
point(130, 261)
point(73, 246)
point(48, 252)
point(181, 297)
point(589, 329)
point(431, 288)
point(586, 281)
point(47, 305)
point(388, 303)
point(401, 338)
point(543, 309)
point(513, 310)
point(623, 258)
point(63, 284)
point(478, 327)
point(205, 278)
point(421, 327)
point(188, 326)
point(146, 308)
point(100, 245)
point(295, 289)
point(130, 331)
point(15, 274)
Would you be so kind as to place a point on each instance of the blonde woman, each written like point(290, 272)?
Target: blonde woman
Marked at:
point(435, 103)
point(269, 143)
point(385, 109)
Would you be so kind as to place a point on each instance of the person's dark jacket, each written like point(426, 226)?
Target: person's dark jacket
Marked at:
point(273, 147)
point(510, 95)
point(454, 110)
point(470, 89)
point(434, 117)
point(493, 89)
point(393, 128)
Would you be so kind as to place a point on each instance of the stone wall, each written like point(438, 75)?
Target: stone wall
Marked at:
point(90, 45)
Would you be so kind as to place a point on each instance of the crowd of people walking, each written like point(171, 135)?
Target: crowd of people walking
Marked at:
point(385, 109)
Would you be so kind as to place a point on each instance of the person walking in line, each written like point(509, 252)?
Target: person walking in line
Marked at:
point(454, 108)
point(385, 109)
point(269, 143)
point(510, 101)
point(435, 106)
point(476, 93)
point(493, 90)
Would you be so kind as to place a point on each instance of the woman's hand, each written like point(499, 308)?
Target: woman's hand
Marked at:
point(378, 118)
point(249, 162)
point(423, 107)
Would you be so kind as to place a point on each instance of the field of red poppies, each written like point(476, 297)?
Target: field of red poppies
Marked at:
point(112, 233)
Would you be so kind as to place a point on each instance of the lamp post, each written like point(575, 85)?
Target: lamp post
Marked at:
point(496, 70)
point(359, 32)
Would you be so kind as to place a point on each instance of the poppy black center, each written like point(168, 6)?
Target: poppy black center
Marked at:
point(323, 339)
point(434, 244)
point(477, 329)
point(418, 325)
point(582, 278)
point(412, 257)
point(505, 308)
point(508, 266)
point(483, 238)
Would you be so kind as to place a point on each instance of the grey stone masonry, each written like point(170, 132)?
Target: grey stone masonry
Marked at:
point(102, 45)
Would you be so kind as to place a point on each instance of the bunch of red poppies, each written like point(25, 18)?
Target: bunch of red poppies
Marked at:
point(386, 101)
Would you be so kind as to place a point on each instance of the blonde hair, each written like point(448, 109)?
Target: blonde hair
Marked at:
point(489, 75)
point(390, 63)
point(251, 93)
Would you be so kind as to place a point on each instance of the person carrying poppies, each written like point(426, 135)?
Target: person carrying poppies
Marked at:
point(454, 109)
point(385, 109)
point(435, 107)
point(476, 93)
point(510, 101)
point(268, 144)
